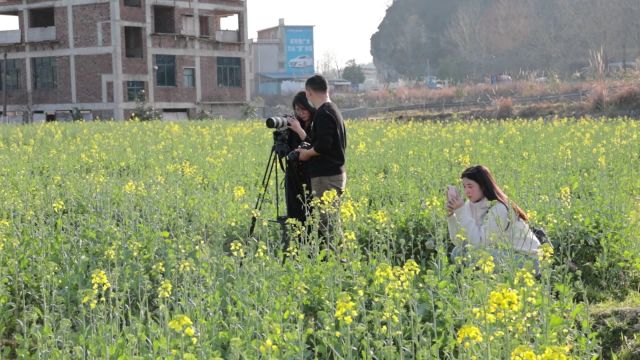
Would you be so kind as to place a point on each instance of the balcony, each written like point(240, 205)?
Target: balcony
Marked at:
point(39, 34)
point(10, 37)
point(228, 36)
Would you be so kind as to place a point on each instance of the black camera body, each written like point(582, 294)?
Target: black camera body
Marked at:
point(294, 155)
point(280, 124)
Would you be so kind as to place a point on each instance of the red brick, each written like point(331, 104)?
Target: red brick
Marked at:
point(85, 23)
point(89, 71)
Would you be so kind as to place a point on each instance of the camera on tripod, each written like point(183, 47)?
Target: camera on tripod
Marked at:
point(279, 151)
point(280, 134)
point(278, 122)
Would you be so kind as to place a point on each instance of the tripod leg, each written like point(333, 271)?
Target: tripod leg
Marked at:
point(261, 196)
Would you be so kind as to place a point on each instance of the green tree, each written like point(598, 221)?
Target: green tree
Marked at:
point(353, 72)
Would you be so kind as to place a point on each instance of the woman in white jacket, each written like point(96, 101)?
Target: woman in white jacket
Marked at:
point(488, 219)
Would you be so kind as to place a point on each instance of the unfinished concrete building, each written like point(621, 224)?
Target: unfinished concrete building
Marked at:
point(100, 58)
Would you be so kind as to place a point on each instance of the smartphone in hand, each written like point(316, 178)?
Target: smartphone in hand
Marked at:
point(452, 192)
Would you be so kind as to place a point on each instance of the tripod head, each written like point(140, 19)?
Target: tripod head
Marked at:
point(280, 142)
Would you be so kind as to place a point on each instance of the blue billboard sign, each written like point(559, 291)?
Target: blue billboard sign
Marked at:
point(299, 50)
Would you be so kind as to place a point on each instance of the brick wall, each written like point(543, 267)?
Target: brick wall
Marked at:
point(89, 69)
point(62, 27)
point(132, 13)
point(86, 20)
point(106, 34)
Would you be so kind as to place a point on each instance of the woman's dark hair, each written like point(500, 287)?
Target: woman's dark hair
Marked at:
point(301, 100)
point(481, 175)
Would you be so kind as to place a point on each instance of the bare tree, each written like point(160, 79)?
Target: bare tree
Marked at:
point(466, 33)
point(328, 65)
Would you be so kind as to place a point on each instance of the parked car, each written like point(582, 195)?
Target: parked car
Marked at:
point(301, 61)
point(435, 83)
point(500, 78)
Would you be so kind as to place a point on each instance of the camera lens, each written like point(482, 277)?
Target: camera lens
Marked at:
point(276, 122)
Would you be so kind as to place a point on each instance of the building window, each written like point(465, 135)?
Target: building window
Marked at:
point(44, 72)
point(166, 70)
point(132, 3)
point(135, 90)
point(41, 17)
point(13, 74)
point(164, 19)
point(204, 26)
point(229, 73)
point(133, 41)
point(188, 25)
point(189, 77)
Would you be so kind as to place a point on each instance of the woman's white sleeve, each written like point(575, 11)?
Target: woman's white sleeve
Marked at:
point(491, 229)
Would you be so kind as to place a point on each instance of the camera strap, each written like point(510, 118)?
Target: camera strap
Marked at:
point(281, 164)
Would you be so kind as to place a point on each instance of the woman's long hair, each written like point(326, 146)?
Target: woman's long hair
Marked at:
point(301, 100)
point(490, 188)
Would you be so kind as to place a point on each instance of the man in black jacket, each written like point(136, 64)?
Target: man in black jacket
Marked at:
point(326, 158)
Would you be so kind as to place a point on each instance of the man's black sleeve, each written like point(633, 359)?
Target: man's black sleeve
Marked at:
point(323, 137)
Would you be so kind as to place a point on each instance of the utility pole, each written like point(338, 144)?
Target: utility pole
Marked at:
point(4, 85)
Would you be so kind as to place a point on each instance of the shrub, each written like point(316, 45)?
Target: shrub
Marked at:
point(505, 108)
point(626, 99)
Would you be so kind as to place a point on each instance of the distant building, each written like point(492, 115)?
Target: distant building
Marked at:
point(98, 56)
point(371, 77)
point(282, 59)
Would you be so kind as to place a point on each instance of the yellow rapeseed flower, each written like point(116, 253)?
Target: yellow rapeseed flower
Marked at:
point(183, 325)
point(345, 308)
point(237, 249)
point(486, 264)
point(158, 269)
point(261, 251)
point(268, 346)
point(469, 335)
point(329, 197)
point(130, 187)
point(164, 291)
point(99, 281)
point(238, 193)
point(58, 206)
point(189, 331)
point(380, 217)
point(411, 267)
point(186, 266)
point(545, 252)
point(523, 352)
point(347, 211)
point(525, 277)
point(505, 300)
point(555, 353)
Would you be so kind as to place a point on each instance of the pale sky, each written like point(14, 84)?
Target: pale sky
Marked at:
point(8, 22)
point(342, 28)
